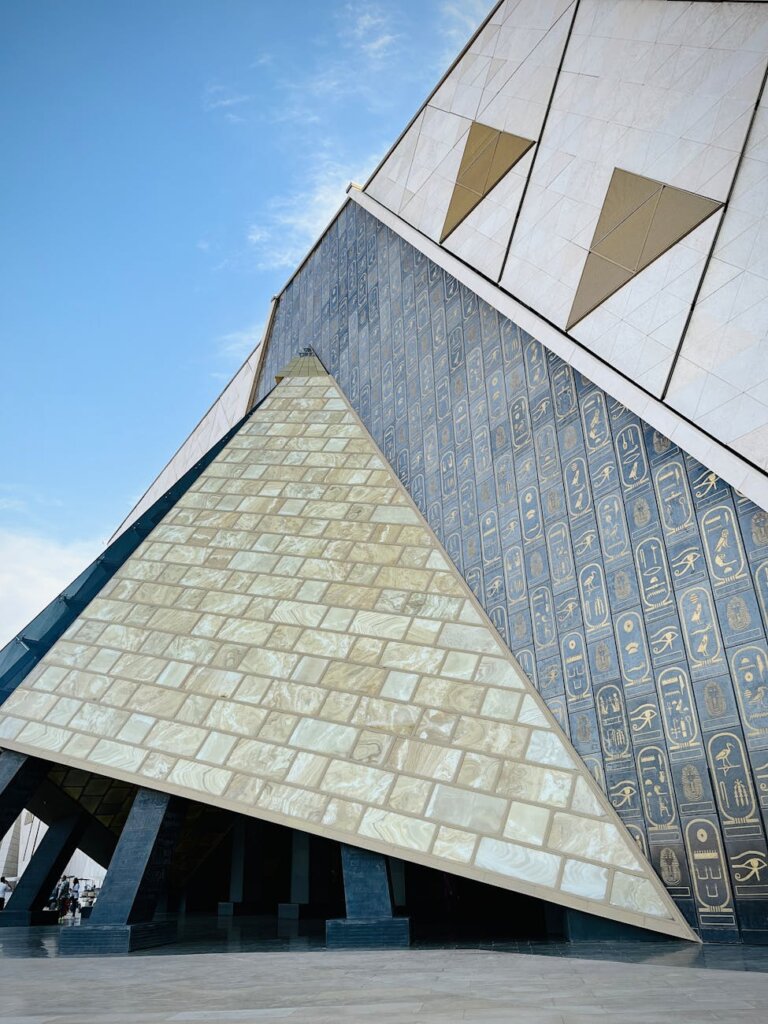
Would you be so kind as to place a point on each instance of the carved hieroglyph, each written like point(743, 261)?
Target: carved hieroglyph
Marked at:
point(291, 642)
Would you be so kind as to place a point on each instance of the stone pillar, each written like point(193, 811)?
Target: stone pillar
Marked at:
point(25, 907)
point(20, 777)
point(299, 878)
point(369, 921)
point(234, 905)
point(122, 917)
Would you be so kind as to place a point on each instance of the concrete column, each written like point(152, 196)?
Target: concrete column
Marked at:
point(369, 921)
point(299, 878)
point(25, 907)
point(20, 777)
point(227, 908)
point(122, 917)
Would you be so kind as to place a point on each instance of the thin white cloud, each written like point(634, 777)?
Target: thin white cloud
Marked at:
point(292, 223)
point(220, 97)
point(33, 570)
point(458, 21)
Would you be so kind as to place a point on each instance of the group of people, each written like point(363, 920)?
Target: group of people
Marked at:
point(66, 896)
point(6, 889)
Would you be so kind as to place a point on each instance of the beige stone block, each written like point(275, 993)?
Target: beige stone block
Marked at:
point(176, 738)
point(600, 841)
point(366, 650)
point(446, 583)
point(372, 747)
point(284, 638)
point(388, 715)
point(343, 814)
point(188, 648)
point(121, 694)
point(404, 579)
point(244, 789)
point(353, 677)
point(310, 670)
point(531, 714)
point(527, 823)
point(397, 829)
point(10, 727)
point(324, 737)
point(586, 880)
point(230, 716)
point(346, 595)
point(139, 667)
point(446, 694)
point(467, 808)
point(307, 770)
point(279, 664)
point(460, 665)
point(429, 759)
point(491, 737)
point(136, 728)
point(154, 701)
point(338, 619)
point(399, 685)
point(194, 709)
point(499, 672)
point(325, 644)
point(477, 639)
point(479, 771)
point(124, 638)
point(422, 631)
point(584, 801)
point(267, 760)
point(410, 795)
point(252, 689)
point(297, 613)
point(357, 782)
point(99, 719)
point(534, 866)
point(246, 631)
point(172, 620)
point(80, 746)
point(103, 661)
point(200, 778)
point(117, 755)
point(62, 713)
point(293, 802)
point(436, 725)
point(379, 624)
point(541, 785)
point(503, 704)
point(455, 844)
point(278, 726)
point(339, 707)
point(412, 658)
point(217, 747)
point(31, 703)
point(50, 677)
point(548, 748)
point(633, 893)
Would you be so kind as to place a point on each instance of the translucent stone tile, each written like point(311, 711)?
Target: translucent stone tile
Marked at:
point(586, 880)
point(397, 829)
point(455, 844)
point(535, 866)
point(467, 808)
point(357, 782)
point(600, 841)
point(527, 823)
point(324, 737)
point(199, 777)
point(638, 894)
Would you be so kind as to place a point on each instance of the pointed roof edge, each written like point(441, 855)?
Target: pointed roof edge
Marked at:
point(674, 925)
point(446, 74)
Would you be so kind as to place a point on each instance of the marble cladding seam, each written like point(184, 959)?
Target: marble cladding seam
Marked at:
point(596, 546)
point(245, 650)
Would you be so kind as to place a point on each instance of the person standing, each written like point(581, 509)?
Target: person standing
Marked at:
point(63, 896)
point(74, 896)
point(5, 891)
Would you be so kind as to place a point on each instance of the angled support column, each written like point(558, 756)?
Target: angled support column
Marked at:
point(369, 921)
point(122, 917)
point(25, 907)
point(299, 878)
point(20, 778)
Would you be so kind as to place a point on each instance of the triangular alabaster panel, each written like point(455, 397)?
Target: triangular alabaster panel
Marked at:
point(292, 643)
point(640, 220)
point(488, 155)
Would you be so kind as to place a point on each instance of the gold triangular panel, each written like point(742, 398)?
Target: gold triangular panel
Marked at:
point(292, 643)
point(488, 155)
point(639, 221)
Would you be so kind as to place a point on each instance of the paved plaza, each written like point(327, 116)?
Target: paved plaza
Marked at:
point(440, 986)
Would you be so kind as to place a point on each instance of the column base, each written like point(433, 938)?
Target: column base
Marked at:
point(109, 939)
point(288, 911)
point(368, 933)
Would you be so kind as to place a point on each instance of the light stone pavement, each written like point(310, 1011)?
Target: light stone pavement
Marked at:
point(374, 987)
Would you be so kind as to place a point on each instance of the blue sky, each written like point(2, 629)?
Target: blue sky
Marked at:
point(166, 165)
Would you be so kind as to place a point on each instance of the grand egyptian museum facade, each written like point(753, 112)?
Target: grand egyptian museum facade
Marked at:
point(452, 609)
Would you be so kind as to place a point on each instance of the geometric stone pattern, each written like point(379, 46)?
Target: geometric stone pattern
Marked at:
point(488, 155)
point(291, 642)
point(640, 219)
point(595, 545)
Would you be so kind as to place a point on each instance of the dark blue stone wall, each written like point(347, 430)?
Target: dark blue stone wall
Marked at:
point(631, 582)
